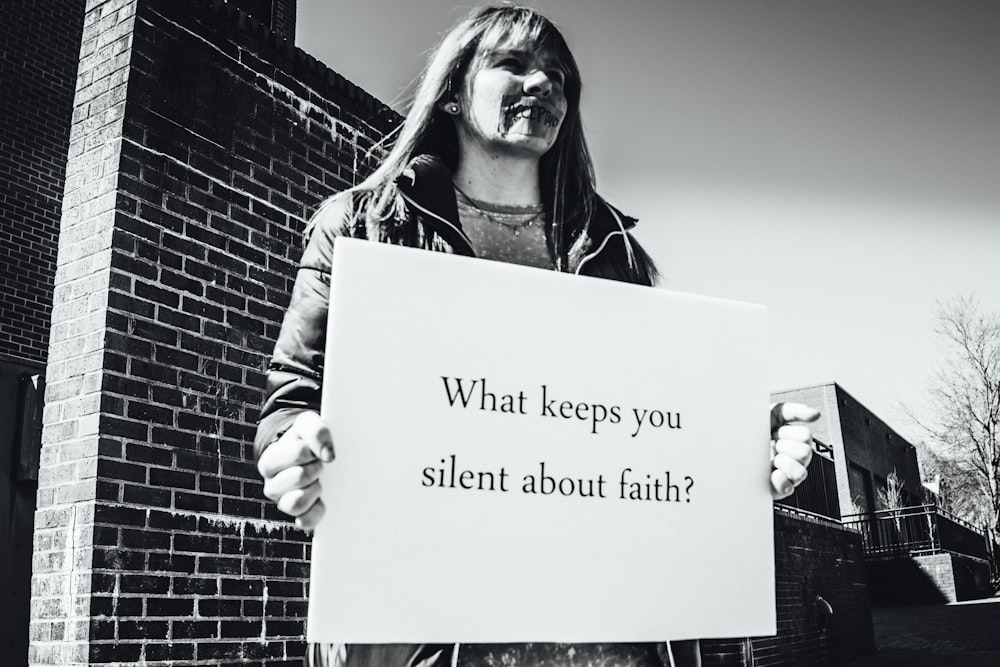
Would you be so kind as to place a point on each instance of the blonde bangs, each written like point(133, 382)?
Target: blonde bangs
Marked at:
point(520, 28)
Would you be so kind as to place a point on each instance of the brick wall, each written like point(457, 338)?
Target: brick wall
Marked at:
point(813, 558)
point(876, 447)
point(200, 143)
point(70, 439)
point(41, 47)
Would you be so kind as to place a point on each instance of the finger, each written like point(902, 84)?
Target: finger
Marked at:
point(298, 501)
point(781, 486)
point(794, 471)
point(306, 440)
point(783, 413)
point(799, 451)
point(313, 431)
point(288, 451)
point(311, 518)
point(794, 432)
point(290, 479)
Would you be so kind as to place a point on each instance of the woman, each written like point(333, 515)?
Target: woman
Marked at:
point(491, 162)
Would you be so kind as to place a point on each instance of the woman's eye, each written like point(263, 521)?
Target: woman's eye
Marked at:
point(557, 76)
point(509, 63)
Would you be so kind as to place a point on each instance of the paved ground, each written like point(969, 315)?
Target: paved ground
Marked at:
point(965, 634)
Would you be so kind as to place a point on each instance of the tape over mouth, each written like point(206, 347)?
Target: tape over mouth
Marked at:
point(514, 107)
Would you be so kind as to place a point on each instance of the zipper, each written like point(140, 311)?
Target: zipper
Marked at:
point(621, 232)
point(600, 248)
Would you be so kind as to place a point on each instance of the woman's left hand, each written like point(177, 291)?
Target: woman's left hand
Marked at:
point(791, 446)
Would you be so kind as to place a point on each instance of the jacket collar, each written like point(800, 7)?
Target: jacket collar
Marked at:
point(427, 183)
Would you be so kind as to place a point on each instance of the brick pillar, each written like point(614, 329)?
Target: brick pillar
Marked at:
point(283, 18)
point(71, 440)
point(200, 142)
point(276, 15)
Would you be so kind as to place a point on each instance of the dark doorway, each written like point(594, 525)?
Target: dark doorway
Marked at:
point(22, 389)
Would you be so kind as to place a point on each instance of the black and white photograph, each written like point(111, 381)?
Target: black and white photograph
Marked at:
point(550, 333)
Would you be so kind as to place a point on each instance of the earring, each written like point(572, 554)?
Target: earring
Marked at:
point(451, 108)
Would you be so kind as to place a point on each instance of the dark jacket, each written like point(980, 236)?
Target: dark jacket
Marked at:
point(601, 248)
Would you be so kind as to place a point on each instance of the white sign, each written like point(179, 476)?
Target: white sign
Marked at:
point(524, 455)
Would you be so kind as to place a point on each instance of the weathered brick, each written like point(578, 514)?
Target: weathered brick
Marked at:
point(194, 629)
point(125, 428)
point(178, 320)
point(145, 495)
point(144, 583)
point(142, 453)
point(173, 438)
point(215, 608)
point(125, 386)
point(218, 565)
point(153, 371)
point(173, 479)
point(237, 629)
point(201, 586)
point(145, 540)
point(170, 606)
point(101, 652)
point(172, 651)
point(113, 558)
point(156, 294)
point(175, 358)
point(213, 651)
point(155, 414)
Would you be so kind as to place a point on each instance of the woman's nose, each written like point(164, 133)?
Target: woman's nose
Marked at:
point(538, 84)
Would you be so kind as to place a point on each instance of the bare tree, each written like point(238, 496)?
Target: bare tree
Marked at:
point(891, 497)
point(965, 395)
point(956, 489)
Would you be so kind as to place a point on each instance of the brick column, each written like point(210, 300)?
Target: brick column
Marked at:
point(200, 143)
point(71, 441)
point(283, 18)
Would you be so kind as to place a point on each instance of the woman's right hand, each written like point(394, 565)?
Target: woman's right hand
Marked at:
point(291, 466)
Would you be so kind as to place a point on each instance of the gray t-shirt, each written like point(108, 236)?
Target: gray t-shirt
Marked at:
point(513, 234)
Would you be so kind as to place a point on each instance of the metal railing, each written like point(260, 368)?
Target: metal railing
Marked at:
point(818, 493)
point(914, 531)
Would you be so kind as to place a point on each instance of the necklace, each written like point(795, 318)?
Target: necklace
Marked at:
point(515, 226)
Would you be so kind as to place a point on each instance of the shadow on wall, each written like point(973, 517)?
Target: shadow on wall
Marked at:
point(972, 579)
point(903, 581)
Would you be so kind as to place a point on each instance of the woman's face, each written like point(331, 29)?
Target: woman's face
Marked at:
point(513, 101)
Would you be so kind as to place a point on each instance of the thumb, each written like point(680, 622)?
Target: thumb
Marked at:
point(786, 413)
point(315, 434)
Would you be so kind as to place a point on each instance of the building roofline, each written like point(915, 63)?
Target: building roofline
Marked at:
point(807, 386)
point(839, 387)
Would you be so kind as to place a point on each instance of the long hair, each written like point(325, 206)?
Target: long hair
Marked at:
point(566, 171)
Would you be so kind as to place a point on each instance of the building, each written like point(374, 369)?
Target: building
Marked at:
point(914, 551)
point(865, 450)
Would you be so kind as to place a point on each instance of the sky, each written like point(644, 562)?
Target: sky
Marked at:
point(835, 160)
